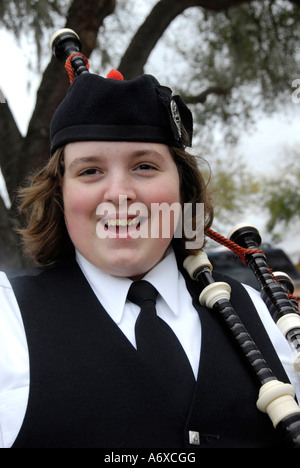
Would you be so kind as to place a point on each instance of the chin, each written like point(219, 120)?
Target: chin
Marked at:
point(129, 268)
point(128, 271)
point(126, 262)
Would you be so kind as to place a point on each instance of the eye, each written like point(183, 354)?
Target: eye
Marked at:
point(146, 167)
point(90, 171)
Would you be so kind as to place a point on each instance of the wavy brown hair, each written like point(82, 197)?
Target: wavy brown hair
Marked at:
point(43, 229)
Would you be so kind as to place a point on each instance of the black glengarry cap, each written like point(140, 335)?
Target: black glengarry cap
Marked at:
point(109, 109)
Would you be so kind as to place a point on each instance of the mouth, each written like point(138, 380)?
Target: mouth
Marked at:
point(122, 223)
point(122, 227)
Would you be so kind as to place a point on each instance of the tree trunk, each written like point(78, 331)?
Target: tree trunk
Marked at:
point(10, 148)
point(10, 257)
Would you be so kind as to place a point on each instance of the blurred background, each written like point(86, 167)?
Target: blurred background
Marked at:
point(235, 62)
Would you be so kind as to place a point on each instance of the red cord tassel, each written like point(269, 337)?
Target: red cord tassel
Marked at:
point(69, 68)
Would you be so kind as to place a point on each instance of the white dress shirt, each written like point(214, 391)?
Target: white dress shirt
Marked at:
point(174, 305)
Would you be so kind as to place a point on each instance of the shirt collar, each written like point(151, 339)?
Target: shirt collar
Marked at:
point(112, 291)
point(165, 277)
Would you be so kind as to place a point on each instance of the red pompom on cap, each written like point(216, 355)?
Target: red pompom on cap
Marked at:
point(115, 75)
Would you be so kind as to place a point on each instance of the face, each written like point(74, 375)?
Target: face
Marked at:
point(113, 194)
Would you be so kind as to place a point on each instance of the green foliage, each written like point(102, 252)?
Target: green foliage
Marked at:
point(23, 15)
point(30, 17)
point(282, 192)
point(248, 53)
point(233, 187)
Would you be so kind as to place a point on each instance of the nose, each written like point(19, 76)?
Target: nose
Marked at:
point(119, 186)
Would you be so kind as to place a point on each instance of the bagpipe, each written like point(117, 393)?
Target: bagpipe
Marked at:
point(276, 398)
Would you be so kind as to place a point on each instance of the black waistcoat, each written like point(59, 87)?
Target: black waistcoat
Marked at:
point(89, 388)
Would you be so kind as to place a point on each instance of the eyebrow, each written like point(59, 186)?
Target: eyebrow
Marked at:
point(146, 152)
point(84, 159)
point(97, 158)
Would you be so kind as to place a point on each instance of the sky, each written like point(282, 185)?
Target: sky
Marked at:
point(259, 147)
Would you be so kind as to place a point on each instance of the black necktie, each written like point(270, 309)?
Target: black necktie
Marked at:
point(160, 348)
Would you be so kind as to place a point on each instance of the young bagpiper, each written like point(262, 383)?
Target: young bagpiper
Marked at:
point(105, 344)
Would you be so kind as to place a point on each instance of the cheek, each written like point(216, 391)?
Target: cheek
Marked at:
point(78, 204)
point(166, 208)
point(165, 195)
point(167, 190)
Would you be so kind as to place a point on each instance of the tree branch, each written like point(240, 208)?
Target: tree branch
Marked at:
point(86, 17)
point(10, 145)
point(148, 34)
point(201, 97)
point(218, 5)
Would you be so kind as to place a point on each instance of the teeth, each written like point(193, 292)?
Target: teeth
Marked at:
point(121, 222)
